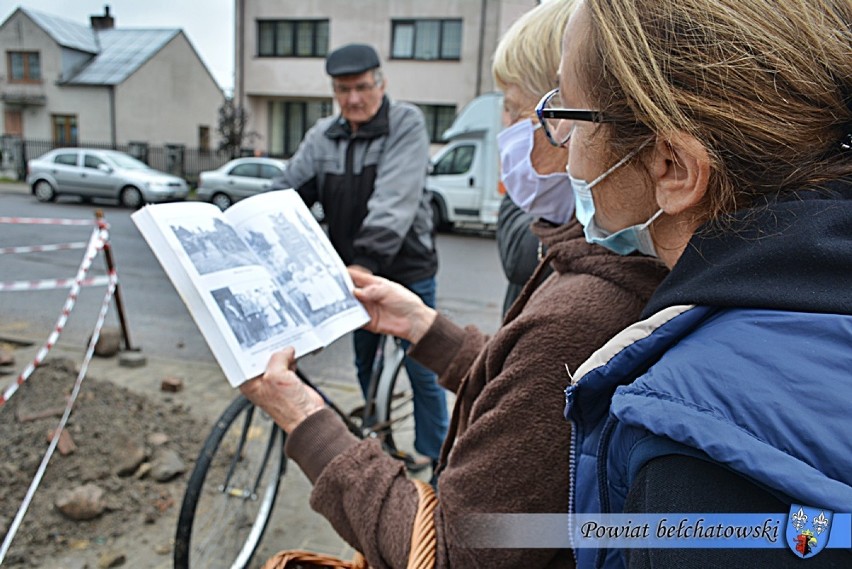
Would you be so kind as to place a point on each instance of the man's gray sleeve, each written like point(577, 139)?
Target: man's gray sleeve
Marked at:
point(300, 172)
point(398, 191)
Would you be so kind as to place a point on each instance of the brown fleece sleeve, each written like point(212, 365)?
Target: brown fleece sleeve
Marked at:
point(317, 440)
point(448, 350)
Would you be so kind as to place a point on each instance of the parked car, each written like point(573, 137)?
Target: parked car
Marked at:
point(238, 179)
point(92, 173)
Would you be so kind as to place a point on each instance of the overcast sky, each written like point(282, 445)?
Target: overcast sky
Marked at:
point(209, 24)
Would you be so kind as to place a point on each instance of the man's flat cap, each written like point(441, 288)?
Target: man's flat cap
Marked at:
point(351, 59)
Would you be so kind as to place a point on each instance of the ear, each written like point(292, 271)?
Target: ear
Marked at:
point(681, 169)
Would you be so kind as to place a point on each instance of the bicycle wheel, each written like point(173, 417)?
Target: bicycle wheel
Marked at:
point(395, 405)
point(231, 491)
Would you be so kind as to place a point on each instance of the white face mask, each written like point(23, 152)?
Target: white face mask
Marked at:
point(546, 197)
point(624, 241)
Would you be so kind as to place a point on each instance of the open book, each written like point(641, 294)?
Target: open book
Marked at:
point(258, 277)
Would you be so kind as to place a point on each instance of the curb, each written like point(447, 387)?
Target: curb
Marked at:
point(20, 188)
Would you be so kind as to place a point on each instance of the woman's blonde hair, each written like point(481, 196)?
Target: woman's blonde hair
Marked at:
point(528, 54)
point(764, 85)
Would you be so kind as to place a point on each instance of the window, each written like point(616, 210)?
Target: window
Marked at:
point(90, 161)
point(204, 138)
point(24, 66)
point(292, 38)
point(438, 119)
point(65, 130)
point(13, 122)
point(290, 120)
point(246, 170)
point(267, 171)
point(457, 161)
point(66, 159)
point(426, 39)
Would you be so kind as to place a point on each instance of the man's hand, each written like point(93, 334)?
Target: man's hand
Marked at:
point(393, 309)
point(281, 393)
point(360, 268)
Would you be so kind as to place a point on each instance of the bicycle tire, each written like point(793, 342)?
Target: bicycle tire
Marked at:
point(395, 407)
point(219, 526)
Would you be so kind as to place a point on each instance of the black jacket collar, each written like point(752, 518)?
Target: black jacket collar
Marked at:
point(789, 254)
point(377, 126)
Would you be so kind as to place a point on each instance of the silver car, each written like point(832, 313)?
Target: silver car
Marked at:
point(93, 173)
point(238, 179)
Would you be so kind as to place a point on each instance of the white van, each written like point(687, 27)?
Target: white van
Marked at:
point(465, 176)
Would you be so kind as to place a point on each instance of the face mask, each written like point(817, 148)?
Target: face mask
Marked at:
point(546, 197)
point(625, 241)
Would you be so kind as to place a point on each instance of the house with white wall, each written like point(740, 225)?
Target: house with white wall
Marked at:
point(435, 54)
point(77, 84)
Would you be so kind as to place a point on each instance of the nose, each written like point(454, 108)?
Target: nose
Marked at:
point(353, 97)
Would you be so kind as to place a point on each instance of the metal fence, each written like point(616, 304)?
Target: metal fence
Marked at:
point(175, 159)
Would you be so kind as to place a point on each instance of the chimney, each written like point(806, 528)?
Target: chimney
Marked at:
point(105, 22)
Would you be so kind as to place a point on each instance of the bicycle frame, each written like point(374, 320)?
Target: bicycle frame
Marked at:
point(389, 357)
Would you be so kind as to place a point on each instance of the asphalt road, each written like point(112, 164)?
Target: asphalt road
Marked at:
point(470, 282)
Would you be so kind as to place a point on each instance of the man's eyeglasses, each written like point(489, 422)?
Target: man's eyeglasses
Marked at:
point(559, 122)
point(359, 88)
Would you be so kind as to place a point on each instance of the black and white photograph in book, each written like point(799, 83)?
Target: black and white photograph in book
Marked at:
point(256, 313)
point(212, 245)
point(302, 267)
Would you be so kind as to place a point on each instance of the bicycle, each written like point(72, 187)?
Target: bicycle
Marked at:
point(236, 478)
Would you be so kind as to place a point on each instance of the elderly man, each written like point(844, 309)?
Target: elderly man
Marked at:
point(367, 167)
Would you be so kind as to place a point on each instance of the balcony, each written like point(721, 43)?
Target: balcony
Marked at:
point(22, 98)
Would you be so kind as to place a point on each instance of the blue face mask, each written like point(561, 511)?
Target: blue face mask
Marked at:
point(625, 241)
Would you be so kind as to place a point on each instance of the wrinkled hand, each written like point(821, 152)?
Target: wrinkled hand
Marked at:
point(393, 309)
point(281, 393)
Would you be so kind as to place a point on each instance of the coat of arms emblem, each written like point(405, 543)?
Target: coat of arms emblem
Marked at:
point(808, 529)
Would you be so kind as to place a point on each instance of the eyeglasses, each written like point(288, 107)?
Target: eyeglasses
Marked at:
point(559, 122)
point(359, 88)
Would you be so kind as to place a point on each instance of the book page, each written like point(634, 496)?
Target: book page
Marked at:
point(312, 279)
point(236, 303)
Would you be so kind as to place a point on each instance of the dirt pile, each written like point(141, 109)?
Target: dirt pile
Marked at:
point(126, 464)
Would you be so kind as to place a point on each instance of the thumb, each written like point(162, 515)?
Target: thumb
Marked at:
point(370, 293)
point(362, 278)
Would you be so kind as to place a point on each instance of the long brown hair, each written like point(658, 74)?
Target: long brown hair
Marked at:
point(764, 85)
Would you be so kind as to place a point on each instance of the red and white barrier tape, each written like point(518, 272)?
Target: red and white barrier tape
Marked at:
point(43, 248)
point(99, 237)
point(13, 528)
point(46, 221)
point(51, 284)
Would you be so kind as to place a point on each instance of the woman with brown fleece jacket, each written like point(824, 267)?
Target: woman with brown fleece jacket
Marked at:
point(508, 446)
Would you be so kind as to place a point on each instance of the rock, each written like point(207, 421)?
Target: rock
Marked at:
point(81, 503)
point(171, 384)
point(163, 549)
point(132, 359)
point(91, 472)
point(109, 559)
point(65, 445)
point(166, 464)
point(7, 358)
point(143, 471)
point(158, 439)
point(109, 342)
point(132, 455)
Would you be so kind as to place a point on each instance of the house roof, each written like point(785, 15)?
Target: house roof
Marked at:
point(118, 53)
point(122, 53)
point(65, 32)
